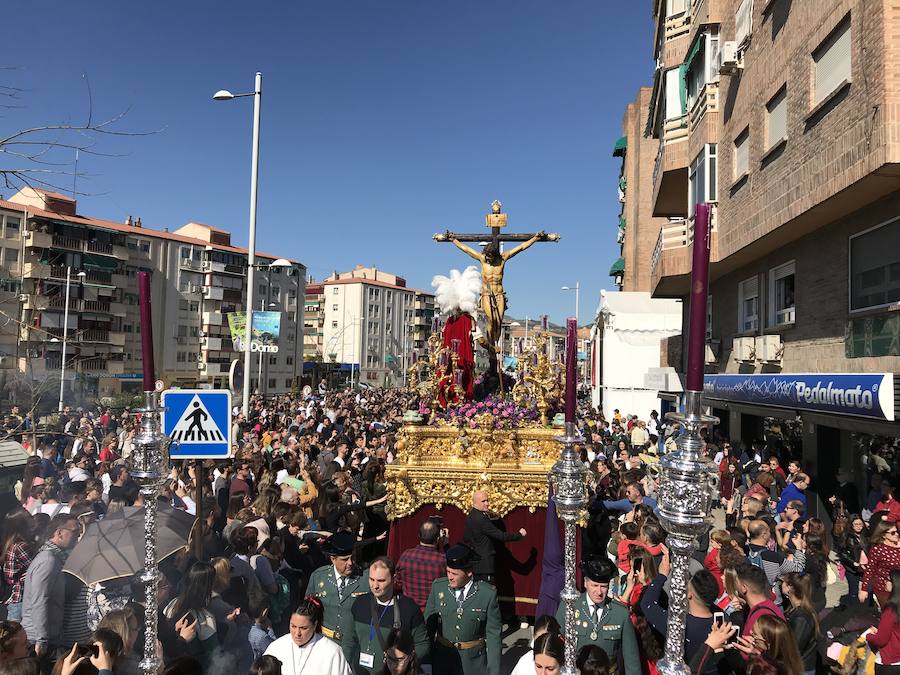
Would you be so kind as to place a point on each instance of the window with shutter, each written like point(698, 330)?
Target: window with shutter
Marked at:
point(742, 154)
point(674, 107)
point(776, 113)
point(832, 62)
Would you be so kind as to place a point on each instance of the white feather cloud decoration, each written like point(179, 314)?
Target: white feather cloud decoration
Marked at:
point(460, 292)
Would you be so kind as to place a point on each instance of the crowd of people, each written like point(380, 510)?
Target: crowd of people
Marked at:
point(287, 572)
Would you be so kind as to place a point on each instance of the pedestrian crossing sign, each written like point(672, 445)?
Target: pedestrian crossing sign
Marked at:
point(199, 423)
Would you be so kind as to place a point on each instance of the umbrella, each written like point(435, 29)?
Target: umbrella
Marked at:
point(113, 548)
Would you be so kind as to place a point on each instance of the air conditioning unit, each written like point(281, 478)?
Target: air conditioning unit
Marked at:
point(729, 60)
point(23, 297)
point(712, 352)
point(206, 266)
point(194, 288)
point(743, 349)
point(4, 359)
point(769, 348)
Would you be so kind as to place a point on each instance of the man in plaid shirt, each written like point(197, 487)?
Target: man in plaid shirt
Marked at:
point(419, 566)
point(15, 564)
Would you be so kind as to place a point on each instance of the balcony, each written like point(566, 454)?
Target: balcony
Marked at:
point(59, 302)
point(100, 247)
point(68, 243)
point(100, 306)
point(97, 277)
point(213, 293)
point(117, 339)
point(676, 25)
point(214, 319)
point(670, 262)
point(707, 101)
point(670, 173)
point(118, 309)
point(36, 270)
point(102, 366)
point(119, 280)
point(95, 335)
point(215, 344)
point(189, 264)
point(217, 368)
point(38, 239)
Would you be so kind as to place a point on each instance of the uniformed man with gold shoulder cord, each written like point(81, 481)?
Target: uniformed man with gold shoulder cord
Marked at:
point(600, 620)
point(463, 617)
point(339, 584)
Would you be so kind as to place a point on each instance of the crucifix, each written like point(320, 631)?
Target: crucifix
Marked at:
point(493, 260)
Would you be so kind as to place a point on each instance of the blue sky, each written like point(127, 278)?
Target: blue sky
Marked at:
point(382, 123)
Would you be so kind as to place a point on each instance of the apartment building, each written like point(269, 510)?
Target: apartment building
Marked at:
point(313, 321)
point(371, 323)
point(198, 278)
point(784, 116)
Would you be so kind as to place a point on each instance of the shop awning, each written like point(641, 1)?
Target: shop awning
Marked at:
point(620, 147)
point(617, 268)
point(100, 263)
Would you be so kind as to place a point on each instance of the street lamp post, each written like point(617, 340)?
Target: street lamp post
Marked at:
point(224, 95)
point(65, 336)
point(576, 288)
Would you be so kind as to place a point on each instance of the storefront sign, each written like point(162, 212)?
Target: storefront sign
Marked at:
point(266, 328)
point(859, 394)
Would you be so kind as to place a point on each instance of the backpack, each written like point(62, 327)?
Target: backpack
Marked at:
point(281, 600)
point(755, 558)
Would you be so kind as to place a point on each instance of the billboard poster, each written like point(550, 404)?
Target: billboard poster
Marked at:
point(266, 328)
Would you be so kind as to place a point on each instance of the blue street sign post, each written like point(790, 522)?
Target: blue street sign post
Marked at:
point(199, 423)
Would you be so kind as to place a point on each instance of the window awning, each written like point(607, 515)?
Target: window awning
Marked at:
point(100, 263)
point(620, 147)
point(621, 223)
point(617, 268)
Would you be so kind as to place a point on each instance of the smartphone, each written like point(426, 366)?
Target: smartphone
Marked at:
point(87, 650)
point(718, 619)
point(637, 563)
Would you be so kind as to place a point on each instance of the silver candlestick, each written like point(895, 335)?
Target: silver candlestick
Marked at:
point(149, 466)
point(688, 487)
point(569, 480)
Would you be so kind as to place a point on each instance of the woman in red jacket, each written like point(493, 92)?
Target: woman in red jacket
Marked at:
point(884, 558)
point(887, 638)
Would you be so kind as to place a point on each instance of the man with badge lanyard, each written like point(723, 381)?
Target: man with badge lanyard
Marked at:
point(463, 616)
point(373, 615)
point(601, 621)
point(337, 585)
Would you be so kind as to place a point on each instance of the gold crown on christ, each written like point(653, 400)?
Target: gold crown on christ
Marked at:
point(495, 218)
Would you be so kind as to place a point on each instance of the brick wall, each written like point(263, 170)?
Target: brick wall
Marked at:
point(641, 228)
point(816, 342)
point(824, 154)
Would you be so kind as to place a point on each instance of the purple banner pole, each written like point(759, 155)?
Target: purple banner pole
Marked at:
point(146, 331)
point(571, 361)
point(699, 291)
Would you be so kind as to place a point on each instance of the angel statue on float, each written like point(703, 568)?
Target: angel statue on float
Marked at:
point(458, 296)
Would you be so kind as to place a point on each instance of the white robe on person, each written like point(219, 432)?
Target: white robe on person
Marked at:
point(319, 656)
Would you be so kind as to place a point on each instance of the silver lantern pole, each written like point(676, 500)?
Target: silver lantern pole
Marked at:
point(689, 481)
point(149, 466)
point(569, 480)
point(688, 487)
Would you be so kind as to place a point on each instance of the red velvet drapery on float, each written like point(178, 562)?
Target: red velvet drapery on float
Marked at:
point(459, 327)
point(518, 567)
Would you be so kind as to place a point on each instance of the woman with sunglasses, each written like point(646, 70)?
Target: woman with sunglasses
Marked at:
point(400, 654)
point(884, 557)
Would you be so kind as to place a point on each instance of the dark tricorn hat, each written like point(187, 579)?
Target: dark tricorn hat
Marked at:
point(339, 544)
point(461, 557)
point(600, 570)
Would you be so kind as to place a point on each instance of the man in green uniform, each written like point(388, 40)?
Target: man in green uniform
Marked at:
point(337, 585)
point(372, 617)
point(464, 618)
point(601, 621)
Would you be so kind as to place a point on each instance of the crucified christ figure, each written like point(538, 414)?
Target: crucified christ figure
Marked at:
point(493, 296)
